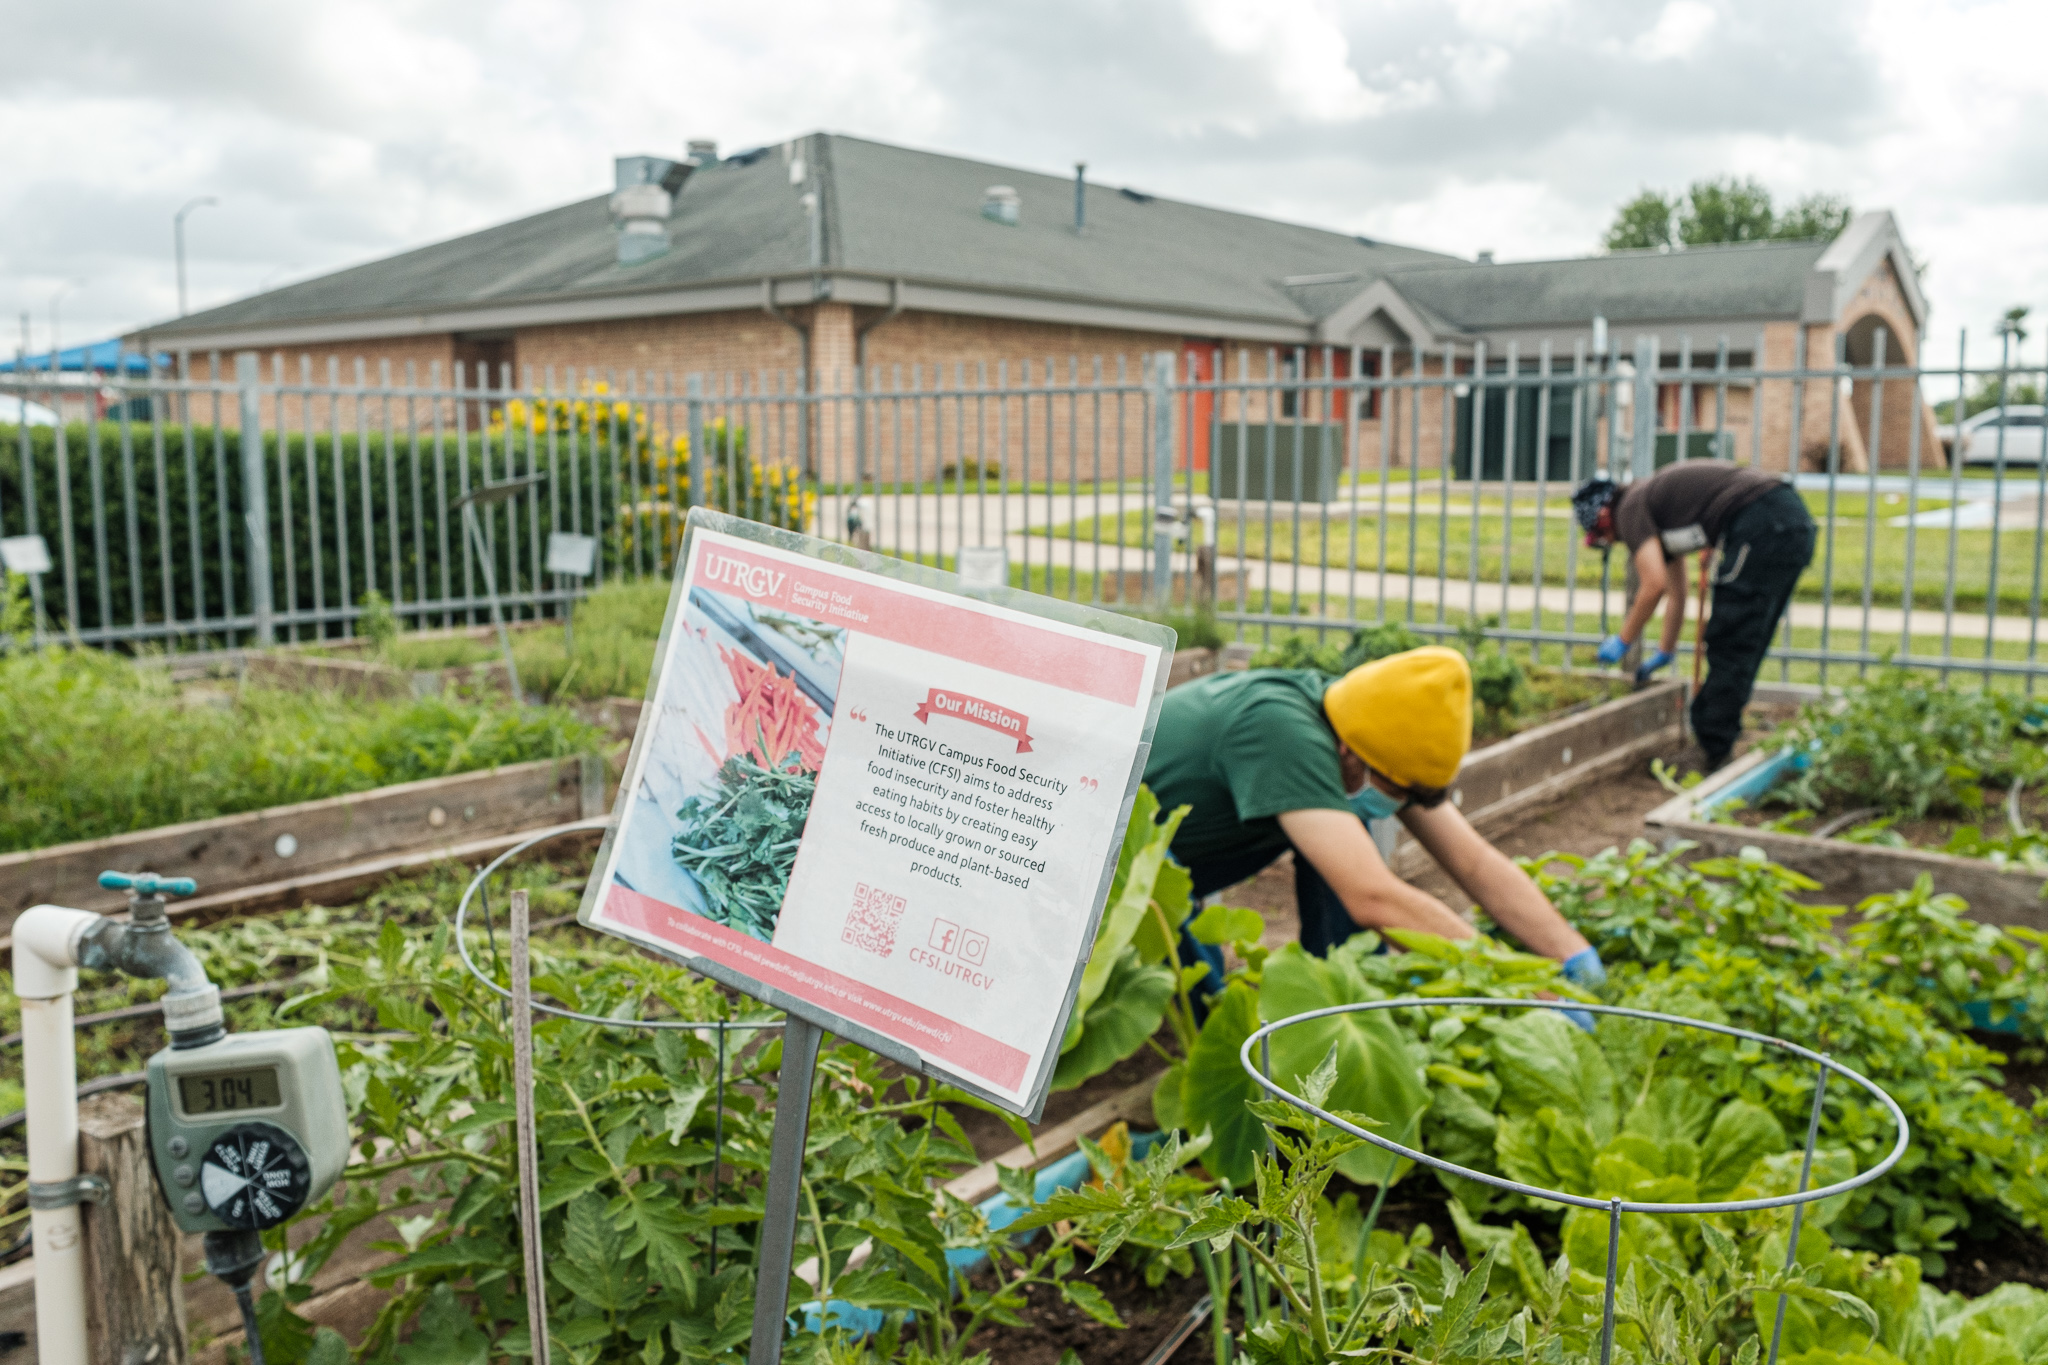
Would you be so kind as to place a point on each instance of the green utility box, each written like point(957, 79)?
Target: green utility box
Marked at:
point(1699, 445)
point(1282, 463)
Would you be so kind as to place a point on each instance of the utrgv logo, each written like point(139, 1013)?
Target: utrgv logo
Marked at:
point(750, 579)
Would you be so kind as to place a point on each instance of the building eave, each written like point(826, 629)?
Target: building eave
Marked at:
point(789, 291)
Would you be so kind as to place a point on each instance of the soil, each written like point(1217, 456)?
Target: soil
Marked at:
point(2010, 1256)
point(2025, 1067)
point(1052, 1327)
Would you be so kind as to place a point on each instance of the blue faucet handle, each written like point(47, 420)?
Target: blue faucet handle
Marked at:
point(148, 884)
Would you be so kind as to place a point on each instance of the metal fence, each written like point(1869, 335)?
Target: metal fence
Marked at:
point(1312, 489)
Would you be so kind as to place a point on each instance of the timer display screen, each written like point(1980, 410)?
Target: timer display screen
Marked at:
point(227, 1092)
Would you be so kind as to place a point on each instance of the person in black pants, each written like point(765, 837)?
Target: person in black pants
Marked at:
point(1765, 537)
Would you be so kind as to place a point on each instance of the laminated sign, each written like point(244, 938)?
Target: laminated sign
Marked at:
point(869, 798)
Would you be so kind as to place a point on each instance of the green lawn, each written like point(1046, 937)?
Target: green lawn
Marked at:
point(1435, 543)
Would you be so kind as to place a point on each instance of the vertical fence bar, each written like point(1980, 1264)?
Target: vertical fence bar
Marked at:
point(1875, 460)
point(1997, 506)
point(312, 494)
point(103, 576)
point(1158, 397)
point(1827, 575)
point(284, 498)
point(255, 496)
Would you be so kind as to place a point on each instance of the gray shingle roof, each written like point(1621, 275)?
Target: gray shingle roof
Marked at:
point(890, 211)
point(1754, 279)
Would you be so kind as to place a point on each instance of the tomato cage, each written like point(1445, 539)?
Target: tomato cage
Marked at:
point(521, 1008)
point(1614, 1207)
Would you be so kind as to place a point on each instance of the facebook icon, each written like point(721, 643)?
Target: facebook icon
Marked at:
point(945, 934)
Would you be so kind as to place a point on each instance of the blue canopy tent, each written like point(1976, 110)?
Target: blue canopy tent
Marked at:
point(102, 357)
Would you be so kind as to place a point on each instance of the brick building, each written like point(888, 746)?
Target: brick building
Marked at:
point(832, 264)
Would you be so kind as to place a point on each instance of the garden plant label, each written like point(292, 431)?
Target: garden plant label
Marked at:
point(867, 797)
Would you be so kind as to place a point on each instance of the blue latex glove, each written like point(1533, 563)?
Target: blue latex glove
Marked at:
point(1611, 649)
point(1660, 659)
point(1585, 970)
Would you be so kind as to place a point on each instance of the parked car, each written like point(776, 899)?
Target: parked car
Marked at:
point(2018, 426)
point(15, 412)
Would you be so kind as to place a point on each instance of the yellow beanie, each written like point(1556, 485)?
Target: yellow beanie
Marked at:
point(1409, 715)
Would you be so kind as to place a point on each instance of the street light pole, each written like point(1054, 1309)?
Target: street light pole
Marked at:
point(178, 242)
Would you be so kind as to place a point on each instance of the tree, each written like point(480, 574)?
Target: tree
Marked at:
point(1643, 223)
point(1727, 210)
point(1722, 210)
point(1816, 216)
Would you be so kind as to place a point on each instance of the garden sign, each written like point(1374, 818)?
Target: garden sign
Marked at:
point(879, 801)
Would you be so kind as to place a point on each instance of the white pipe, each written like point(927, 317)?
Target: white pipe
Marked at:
point(45, 946)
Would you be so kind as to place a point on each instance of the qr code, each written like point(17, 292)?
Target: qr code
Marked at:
point(871, 924)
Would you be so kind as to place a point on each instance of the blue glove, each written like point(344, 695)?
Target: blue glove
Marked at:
point(1611, 649)
point(1656, 661)
point(1585, 970)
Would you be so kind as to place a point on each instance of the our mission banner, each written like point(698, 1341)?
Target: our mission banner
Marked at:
point(888, 801)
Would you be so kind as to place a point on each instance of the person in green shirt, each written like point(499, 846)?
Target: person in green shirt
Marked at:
point(1277, 760)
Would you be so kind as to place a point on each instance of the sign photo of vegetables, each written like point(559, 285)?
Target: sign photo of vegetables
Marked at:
point(733, 759)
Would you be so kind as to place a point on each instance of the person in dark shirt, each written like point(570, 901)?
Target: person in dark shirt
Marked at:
point(1269, 760)
point(1765, 537)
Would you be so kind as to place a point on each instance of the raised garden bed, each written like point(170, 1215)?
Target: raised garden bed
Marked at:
point(1998, 894)
point(1891, 781)
point(291, 854)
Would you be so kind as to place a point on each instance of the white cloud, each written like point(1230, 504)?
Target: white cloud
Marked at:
point(1678, 32)
point(1301, 51)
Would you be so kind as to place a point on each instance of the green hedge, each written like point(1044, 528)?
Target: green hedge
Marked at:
point(174, 489)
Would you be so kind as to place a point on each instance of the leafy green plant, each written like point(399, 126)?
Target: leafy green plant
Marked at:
point(1134, 980)
point(1726, 940)
point(634, 1193)
point(92, 744)
point(378, 624)
point(1910, 746)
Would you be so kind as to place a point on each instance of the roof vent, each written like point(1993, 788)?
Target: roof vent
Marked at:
point(1001, 204)
point(1135, 196)
point(1486, 258)
point(703, 150)
point(645, 191)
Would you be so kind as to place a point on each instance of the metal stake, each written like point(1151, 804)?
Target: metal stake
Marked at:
point(528, 1136)
point(717, 1143)
point(800, 1042)
point(483, 554)
point(1820, 1088)
point(1613, 1256)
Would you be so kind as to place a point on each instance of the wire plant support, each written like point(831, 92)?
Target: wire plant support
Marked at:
point(523, 1008)
point(1613, 1207)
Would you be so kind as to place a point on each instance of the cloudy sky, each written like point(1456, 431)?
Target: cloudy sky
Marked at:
point(333, 134)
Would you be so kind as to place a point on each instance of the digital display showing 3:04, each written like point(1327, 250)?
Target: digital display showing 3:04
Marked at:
point(227, 1091)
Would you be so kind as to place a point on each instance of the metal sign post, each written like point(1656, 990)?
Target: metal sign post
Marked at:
point(570, 556)
point(489, 495)
point(800, 1042)
point(28, 556)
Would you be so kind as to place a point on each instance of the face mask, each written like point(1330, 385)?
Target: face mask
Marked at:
point(1370, 803)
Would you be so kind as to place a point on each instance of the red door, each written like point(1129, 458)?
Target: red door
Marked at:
point(1202, 362)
